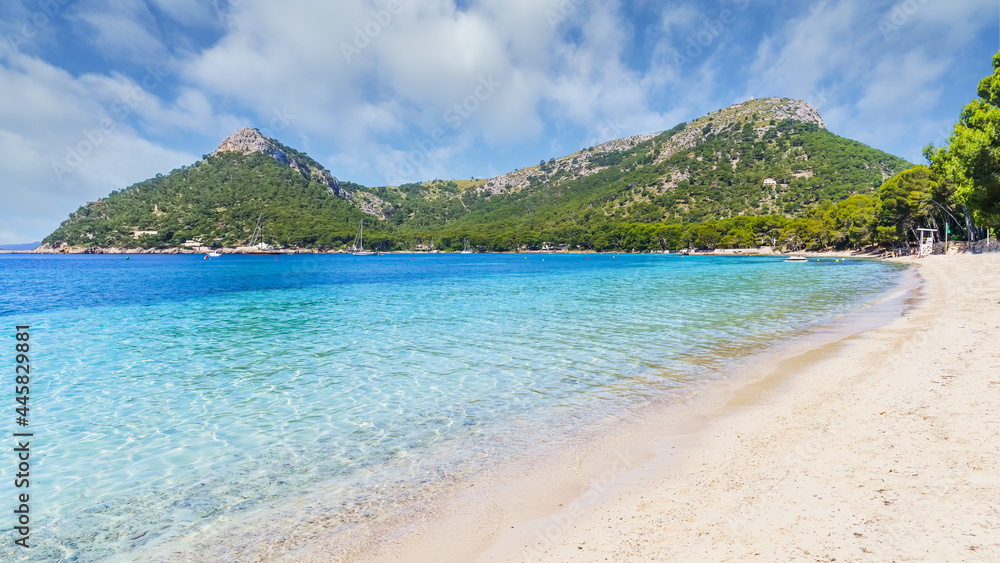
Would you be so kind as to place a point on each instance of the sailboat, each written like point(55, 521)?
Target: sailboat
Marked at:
point(257, 244)
point(433, 250)
point(358, 248)
point(466, 250)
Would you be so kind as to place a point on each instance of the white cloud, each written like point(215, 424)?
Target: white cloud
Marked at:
point(123, 30)
point(527, 76)
point(195, 13)
point(876, 71)
point(826, 41)
point(406, 71)
point(53, 152)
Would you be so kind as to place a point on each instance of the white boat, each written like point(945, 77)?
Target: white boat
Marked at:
point(433, 250)
point(257, 244)
point(214, 254)
point(797, 259)
point(358, 248)
point(466, 250)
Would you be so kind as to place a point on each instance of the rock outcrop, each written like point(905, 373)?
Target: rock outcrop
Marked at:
point(248, 141)
point(370, 204)
point(578, 165)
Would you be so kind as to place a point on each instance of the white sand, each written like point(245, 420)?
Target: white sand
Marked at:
point(886, 450)
point(879, 447)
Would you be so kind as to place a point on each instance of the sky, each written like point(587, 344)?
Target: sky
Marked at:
point(98, 95)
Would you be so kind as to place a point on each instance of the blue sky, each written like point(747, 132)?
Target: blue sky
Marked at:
point(98, 95)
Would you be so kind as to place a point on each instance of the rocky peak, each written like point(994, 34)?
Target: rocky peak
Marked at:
point(248, 140)
point(760, 112)
point(797, 110)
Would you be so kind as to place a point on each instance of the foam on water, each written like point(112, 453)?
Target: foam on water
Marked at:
point(170, 390)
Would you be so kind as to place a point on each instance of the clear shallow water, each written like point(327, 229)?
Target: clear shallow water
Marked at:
point(170, 390)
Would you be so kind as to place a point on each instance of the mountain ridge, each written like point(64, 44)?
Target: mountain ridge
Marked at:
point(772, 156)
point(773, 108)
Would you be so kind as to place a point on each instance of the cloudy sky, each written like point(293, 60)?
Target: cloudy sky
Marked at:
point(96, 95)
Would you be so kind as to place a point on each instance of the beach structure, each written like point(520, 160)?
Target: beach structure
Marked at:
point(926, 242)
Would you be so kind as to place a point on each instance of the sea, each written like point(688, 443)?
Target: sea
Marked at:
point(171, 392)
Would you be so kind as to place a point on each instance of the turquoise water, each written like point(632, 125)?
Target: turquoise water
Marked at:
point(169, 390)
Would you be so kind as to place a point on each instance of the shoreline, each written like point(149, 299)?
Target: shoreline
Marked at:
point(879, 447)
point(475, 513)
point(734, 252)
point(530, 509)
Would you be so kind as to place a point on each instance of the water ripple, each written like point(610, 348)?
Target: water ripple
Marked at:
point(173, 390)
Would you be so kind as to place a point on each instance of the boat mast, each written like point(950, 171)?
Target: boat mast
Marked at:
point(256, 230)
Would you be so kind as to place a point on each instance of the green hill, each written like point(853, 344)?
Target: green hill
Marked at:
point(737, 169)
point(218, 201)
point(765, 157)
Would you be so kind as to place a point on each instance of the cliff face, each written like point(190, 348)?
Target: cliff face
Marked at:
point(248, 141)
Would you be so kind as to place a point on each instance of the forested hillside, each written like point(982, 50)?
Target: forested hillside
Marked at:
point(722, 169)
point(765, 171)
point(217, 200)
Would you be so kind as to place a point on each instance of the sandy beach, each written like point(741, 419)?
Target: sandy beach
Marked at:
point(883, 449)
point(871, 445)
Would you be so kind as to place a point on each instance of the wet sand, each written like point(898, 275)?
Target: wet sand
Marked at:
point(881, 448)
point(857, 444)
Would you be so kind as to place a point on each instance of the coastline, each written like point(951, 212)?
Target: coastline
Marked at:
point(734, 252)
point(520, 512)
point(880, 447)
point(479, 513)
point(875, 446)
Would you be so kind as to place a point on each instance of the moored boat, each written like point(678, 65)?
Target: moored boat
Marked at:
point(358, 248)
point(257, 244)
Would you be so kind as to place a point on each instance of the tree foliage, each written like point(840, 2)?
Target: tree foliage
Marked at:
point(821, 191)
point(219, 201)
point(971, 160)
